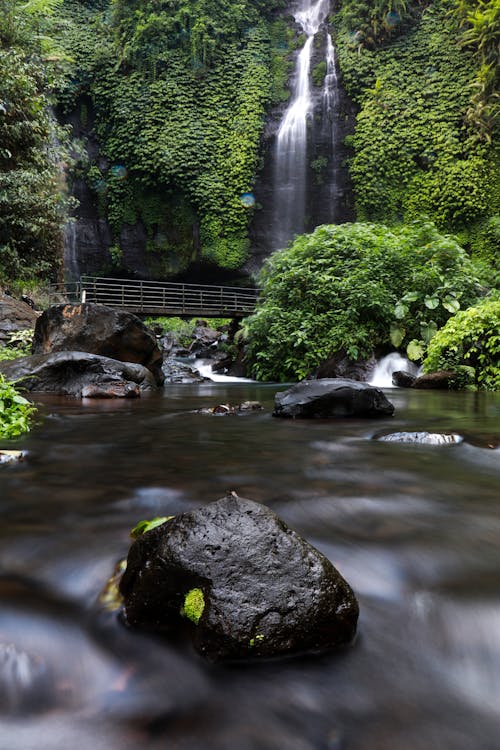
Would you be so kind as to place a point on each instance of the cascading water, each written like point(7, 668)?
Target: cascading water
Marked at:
point(71, 266)
point(290, 179)
point(332, 136)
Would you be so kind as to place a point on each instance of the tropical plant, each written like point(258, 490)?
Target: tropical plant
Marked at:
point(16, 413)
point(470, 339)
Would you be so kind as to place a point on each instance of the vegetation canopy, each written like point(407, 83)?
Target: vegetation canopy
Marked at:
point(351, 287)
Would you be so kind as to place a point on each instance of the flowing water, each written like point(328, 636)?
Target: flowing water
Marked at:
point(290, 181)
point(415, 529)
point(387, 366)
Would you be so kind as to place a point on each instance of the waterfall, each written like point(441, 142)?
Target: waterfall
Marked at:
point(330, 88)
point(71, 267)
point(290, 178)
point(382, 375)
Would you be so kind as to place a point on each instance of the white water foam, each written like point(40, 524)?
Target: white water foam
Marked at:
point(382, 375)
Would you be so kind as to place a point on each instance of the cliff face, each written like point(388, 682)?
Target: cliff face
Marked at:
point(171, 160)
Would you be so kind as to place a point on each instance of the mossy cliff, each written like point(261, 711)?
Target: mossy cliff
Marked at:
point(170, 101)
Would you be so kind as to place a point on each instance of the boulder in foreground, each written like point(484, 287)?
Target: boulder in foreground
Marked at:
point(250, 585)
point(78, 374)
point(332, 397)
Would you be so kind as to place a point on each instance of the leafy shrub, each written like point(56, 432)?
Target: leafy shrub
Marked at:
point(16, 412)
point(341, 287)
point(181, 328)
point(470, 339)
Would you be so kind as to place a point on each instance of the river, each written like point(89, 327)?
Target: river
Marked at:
point(415, 529)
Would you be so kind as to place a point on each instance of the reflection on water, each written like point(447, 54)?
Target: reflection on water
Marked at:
point(414, 528)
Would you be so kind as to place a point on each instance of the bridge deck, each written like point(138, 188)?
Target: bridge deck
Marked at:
point(169, 298)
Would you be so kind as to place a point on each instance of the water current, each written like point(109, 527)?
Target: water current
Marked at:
point(415, 529)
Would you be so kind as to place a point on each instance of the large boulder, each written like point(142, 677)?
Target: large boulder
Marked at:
point(250, 585)
point(78, 374)
point(441, 380)
point(15, 316)
point(101, 330)
point(332, 397)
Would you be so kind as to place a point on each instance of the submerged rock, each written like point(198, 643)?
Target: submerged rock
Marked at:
point(77, 374)
point(423, 438)
point(250, 585)
point(247, 407)
point(100, 330)
point(332, 397)
point(25, 681)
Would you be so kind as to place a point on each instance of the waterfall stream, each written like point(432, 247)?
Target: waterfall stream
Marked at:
point(71, 265)
point(290, 178)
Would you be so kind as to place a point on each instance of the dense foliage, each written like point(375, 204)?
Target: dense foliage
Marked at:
point(16, 413)
point(419, 149)
point(470, 344)
point(31, 195)
point(179, 91)
point(355, 287)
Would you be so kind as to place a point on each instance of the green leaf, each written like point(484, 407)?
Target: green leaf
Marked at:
point(400, 310)
point(411, 297)
point(431, 302)
point(428, 330)
point(451, 304)
point(397, 335)
point(415, 350)
point(144, 526)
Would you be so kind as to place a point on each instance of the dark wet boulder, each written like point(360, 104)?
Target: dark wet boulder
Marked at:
point(340, 365)
point(15, 316)
point(100, 330)
point(403, 379)
point(441, 380)
point(250, 585)
point(332, 397)
point(71, 373)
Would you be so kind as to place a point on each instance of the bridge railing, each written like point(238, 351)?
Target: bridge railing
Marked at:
point(169, 298)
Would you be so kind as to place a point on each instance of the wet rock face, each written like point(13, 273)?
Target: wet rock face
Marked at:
point(99, 330)
point(332, 397)
point(79, 374)
point(15, 316)
point(341, 366)
point(264, 590)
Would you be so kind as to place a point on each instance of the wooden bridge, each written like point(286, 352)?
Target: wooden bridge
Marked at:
point(165, 298)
